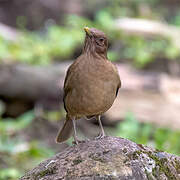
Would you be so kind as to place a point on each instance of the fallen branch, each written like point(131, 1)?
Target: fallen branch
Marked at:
point(30, 82)
point(36, 82)
point(149, 28)
point(149, 95)
point(22, 87)
point(108, 158)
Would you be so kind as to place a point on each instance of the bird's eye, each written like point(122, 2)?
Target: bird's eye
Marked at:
point(101, 39)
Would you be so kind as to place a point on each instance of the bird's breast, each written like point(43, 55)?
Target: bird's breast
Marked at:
point(95, 91)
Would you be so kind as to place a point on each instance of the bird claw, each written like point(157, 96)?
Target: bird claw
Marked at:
point(100, 136)
point(76, 142)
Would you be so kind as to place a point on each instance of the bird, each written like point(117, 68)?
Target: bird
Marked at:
point(91, 85)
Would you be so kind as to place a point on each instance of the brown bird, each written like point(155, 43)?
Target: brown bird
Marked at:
point(91, 84)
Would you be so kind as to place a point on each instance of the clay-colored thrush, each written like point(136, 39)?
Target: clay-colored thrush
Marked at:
point(91, 84)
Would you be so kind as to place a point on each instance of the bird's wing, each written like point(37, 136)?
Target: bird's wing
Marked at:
point(117, 90)
point(68, 80)
point(119, 80)
point(67, 85)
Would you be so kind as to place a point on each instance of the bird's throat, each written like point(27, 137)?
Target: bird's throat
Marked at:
point(90, 49)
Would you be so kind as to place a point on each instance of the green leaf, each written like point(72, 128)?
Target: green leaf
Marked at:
point(11, 125)
point(9, 173)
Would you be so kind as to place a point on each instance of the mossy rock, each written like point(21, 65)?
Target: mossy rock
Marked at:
point(108, 158)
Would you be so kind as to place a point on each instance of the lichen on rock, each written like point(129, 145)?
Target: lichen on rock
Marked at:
point(108, 158)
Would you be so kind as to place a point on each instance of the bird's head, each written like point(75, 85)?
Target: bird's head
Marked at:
point(95, 42)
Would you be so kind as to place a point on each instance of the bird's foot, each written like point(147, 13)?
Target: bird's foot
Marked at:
point(77, 141)
point(100, 136)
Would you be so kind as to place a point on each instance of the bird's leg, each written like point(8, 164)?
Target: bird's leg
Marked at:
point(76, 140)
point(102, 134)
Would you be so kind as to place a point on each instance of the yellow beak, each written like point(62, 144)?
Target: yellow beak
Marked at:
point(87, 30)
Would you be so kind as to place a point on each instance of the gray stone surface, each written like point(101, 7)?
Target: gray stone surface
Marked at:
point(108, 158)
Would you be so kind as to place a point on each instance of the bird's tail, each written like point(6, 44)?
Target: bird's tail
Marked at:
point(66, 131)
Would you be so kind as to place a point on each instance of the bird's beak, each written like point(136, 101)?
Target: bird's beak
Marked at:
point(87, 30)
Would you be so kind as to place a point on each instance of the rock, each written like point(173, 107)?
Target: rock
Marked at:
point(109, 158)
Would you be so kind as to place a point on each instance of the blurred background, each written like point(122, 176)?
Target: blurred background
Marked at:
point(40, 39)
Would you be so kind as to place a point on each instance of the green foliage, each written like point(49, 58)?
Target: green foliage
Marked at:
point(144, 50)
point(31, 48)
point(10, 125)
point(143, 133)
point(9, 174)
point(17, 154)
point(62, 42)
point(175, 20)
